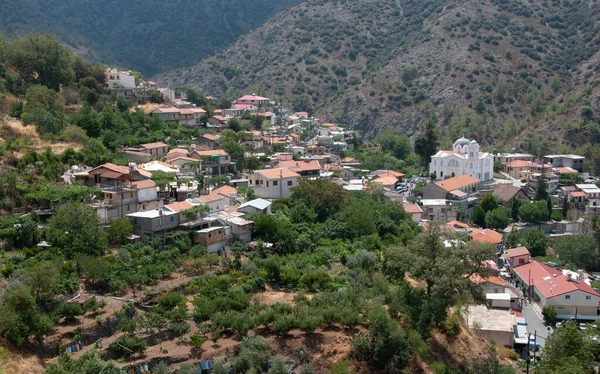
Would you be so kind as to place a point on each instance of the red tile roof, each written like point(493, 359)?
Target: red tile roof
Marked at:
point(179, 206)
point(454, 183)
point(252, 98)
point(516, 252)
point(225, 190)
point(549, 281)
point(487, 236)
point(153, 145)
point(208, 198)
point(523, 164)
point(299, 166)
point(277, 173)
point(211, 136)
point(143, 184)
point(412, 209)
point(213, 152)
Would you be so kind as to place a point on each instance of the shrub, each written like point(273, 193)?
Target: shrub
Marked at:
point(452, 324)
point(196, 341)
point(549, 314)
point(179, 328)
point(127, 345)
point(70, 310)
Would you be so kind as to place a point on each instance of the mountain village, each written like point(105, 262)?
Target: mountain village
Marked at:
point(293, 146)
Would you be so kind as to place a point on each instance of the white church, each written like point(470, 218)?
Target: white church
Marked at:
point(465, 158)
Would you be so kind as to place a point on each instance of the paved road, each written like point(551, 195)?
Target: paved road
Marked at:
point(535, 322)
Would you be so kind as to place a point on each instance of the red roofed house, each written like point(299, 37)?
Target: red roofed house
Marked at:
point(188, 116)
point(228, 192)
point(517, 256)
point(217, 123)
point(547, 286)
point(522, 169)
point(306, 168)
point(261, 103)
point(451, 188)
point(215, 162)
point(415, 212)
point(273, 183)
point(157, 149)
point(208, 141)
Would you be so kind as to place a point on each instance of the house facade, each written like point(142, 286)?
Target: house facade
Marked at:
point(570, 161)
point(157, 222)
point(274, 183)
point(465, 158)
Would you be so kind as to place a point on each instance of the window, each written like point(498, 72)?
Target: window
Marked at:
point(172, 219)
point(290, 183)
point(135, 221)
point(441, 173)
point(267, 183)
point(434, 163)
point(275, 183)
point(250, 180)
point(588, 297)
point(567, 297)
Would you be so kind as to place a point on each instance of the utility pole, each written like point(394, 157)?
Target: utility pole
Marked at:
point(528, 350)
point(534, 344)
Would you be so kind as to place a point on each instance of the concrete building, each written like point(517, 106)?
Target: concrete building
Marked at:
point(256, 206)
point(439, 210)
point(274, 183)
point(157, 222)
point(415, 212)
point(570, 161)
point(591, 198)
point(492, 323)
point(506, 158)
point(119, 79)
point(215, 162)
point(215, 239)
point(517, 256)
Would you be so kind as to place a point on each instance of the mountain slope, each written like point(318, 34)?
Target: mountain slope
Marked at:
point(146, 35)
point(496, 70)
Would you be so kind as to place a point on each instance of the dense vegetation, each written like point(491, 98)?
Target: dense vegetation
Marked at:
point(493, 70)
point(149, 36)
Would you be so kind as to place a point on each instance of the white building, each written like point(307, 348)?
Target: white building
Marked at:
point(273, 183)
point(119, 79)
point(465, 158)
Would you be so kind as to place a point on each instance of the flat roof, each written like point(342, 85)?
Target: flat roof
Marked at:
point(152, 214)
point(588, 188)
point(490, 319)
point(566, 156)
point(497, 296)
point(211, 229)
point(426, 202)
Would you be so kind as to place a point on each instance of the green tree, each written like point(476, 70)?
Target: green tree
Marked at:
point(478, 217)
point(41, 59)
point(427, 144)
point(496, 219)
point(567, 350)
point(549, 314)
point(444, 271)
point(514, 205)
point(119, 230)
point(534, 212)
point(536, 241)
point(278, 365)
point(20, 318)
point(324, 197)
point(386, 346)
point(89, 363)
point(489, 203)
point(512, 239)
point(45, 108)
point(74, 228)
point(398, 145)
point(541, 191)
point(578, 250)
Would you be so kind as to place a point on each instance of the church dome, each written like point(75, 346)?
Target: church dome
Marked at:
point(462, 141)
point(473, 141)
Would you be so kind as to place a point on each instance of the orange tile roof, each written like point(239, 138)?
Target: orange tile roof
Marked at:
point(179, 206)
point(143, 184)
point(219, 118)
point(516, 252)
point(299, 166)
point(487, 236)
point(208, 198)
point(412, 209)
point(454, 183)
point(385, 180)
point(349, 159)
point(578, 194)
point(210, 137)
point(188, 159)
point(523, 164)
point(213, 152)
point(225, 190)
point(112, 167)
point(277, 173)
point(153, 145)
point(566, 170)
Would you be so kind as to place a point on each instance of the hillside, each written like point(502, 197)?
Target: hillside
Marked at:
point(149, 36)
point(496, 70)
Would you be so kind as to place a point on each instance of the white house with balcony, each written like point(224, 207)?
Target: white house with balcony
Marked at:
point(465, 158)
point(119, 79)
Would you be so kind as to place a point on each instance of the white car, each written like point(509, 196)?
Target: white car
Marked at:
point(505, 274)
